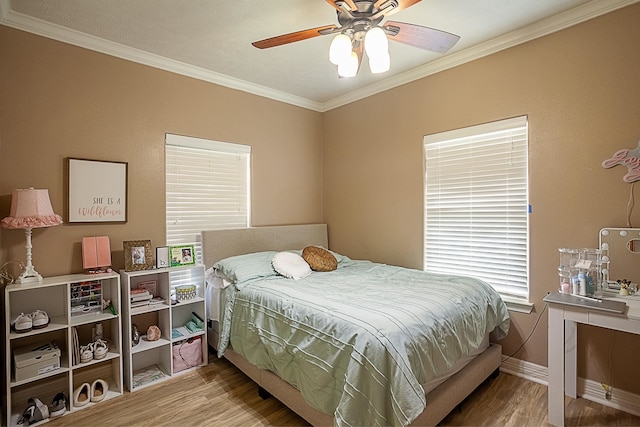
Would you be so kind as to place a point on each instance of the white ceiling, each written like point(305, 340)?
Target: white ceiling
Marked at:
point(211, 39)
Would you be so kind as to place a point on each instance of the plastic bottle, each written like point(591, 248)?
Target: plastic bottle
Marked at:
point(97, 332)
point(583, 283)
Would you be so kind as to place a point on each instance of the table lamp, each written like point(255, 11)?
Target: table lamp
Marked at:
point(30, 208)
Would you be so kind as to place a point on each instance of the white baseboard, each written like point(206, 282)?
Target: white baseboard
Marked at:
point(587, 389)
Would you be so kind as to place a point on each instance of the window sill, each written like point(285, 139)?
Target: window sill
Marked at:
point(517, 304)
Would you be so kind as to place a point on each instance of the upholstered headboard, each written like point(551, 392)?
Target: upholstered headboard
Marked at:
point(220, 244)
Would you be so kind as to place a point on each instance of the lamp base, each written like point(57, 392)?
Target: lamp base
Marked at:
point(29, 275)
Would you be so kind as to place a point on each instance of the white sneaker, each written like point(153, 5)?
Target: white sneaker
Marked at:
point(100, 349)
point(22, 323)
point(40, 319)
point(86, 353)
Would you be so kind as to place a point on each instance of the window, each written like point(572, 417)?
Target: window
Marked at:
point(476, 204)
point(207, 187)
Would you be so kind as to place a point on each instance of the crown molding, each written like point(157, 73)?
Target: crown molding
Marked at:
point(541, 28)
point(39, 27)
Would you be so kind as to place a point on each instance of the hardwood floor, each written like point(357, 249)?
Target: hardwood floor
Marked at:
point(220, 395)
point(513, 401)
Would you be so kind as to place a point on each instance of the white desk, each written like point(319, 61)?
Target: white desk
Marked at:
point(562, 352)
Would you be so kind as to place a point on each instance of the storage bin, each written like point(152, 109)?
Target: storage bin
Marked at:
point(187, 354)
point(31, 361)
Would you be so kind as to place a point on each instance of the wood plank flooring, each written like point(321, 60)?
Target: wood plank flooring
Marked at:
point(220, 395)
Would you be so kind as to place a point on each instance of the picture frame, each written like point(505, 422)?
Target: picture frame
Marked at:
point(96, 191)
point(162, 257)
point(137, 255)
point(182, 255)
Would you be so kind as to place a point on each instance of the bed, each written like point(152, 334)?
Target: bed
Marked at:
point(373, 375)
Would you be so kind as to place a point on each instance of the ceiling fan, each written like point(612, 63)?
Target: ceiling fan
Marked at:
point(361, 30)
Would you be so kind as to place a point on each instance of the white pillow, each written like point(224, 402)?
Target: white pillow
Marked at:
point(290, 265)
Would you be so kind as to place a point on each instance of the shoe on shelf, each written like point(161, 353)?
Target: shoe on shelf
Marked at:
point(58, 405)
point(82, 395)
point(100, 349)
point(22, 323)
point(40, 319)
point(34, 412)
point(86, 353)
point(99, 390)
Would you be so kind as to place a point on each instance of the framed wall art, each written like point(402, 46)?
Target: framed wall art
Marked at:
point(182, 255)
point(137, 255)
point(96, 191)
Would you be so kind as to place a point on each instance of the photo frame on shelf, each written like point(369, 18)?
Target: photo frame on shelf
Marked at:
point(162, 257)
point(96, 191)
point(182, 255)
point(137, 255)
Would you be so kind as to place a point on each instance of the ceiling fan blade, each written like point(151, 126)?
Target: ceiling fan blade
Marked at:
point(421, 37)
point(402, 4)
point(292, 37)
point(350, 3)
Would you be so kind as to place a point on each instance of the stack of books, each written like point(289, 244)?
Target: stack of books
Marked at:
point(140, 297)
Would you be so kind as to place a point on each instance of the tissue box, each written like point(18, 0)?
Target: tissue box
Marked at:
point(34, 360)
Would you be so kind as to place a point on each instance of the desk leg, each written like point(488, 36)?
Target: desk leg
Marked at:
point(556, 366)
point(570, 358)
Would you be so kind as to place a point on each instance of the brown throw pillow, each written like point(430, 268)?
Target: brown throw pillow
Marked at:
point(319, 259)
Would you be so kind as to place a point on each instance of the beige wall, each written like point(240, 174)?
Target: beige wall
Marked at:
point(59, 101)
point(579, 88)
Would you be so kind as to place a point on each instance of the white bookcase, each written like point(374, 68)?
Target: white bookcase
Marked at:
point(148, 361)
point(73, 304)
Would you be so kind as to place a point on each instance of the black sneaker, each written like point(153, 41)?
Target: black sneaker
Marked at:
point(58, 405)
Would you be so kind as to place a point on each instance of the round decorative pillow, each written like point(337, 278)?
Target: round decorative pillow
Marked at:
point(153, 333)
point(319, 258)
point(290, 265)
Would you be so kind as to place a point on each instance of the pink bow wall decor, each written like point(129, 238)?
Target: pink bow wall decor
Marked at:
point(628, 158)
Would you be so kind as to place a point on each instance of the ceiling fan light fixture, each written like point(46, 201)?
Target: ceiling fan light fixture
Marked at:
point(380, 64)
point(349, 68)
point(360, 31)
point(340, 49)
point(376, 42)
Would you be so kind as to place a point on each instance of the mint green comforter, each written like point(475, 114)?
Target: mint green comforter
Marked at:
point(359, 341)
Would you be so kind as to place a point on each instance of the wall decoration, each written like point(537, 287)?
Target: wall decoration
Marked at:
point(96, 191)
point(137, 255)
point(628, 158)
point(182, 255)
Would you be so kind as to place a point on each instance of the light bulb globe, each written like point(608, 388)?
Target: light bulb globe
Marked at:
point(340, 49)
point(376, 42)
point(379, 64)
point(349, 68)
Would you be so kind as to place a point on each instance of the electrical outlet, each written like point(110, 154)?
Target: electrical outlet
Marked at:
point(607, 391)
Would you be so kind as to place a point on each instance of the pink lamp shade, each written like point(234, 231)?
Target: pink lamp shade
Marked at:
point(31, 208)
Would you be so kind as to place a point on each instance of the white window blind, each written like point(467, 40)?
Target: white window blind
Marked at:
point(207, 187)
point(476, 204)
